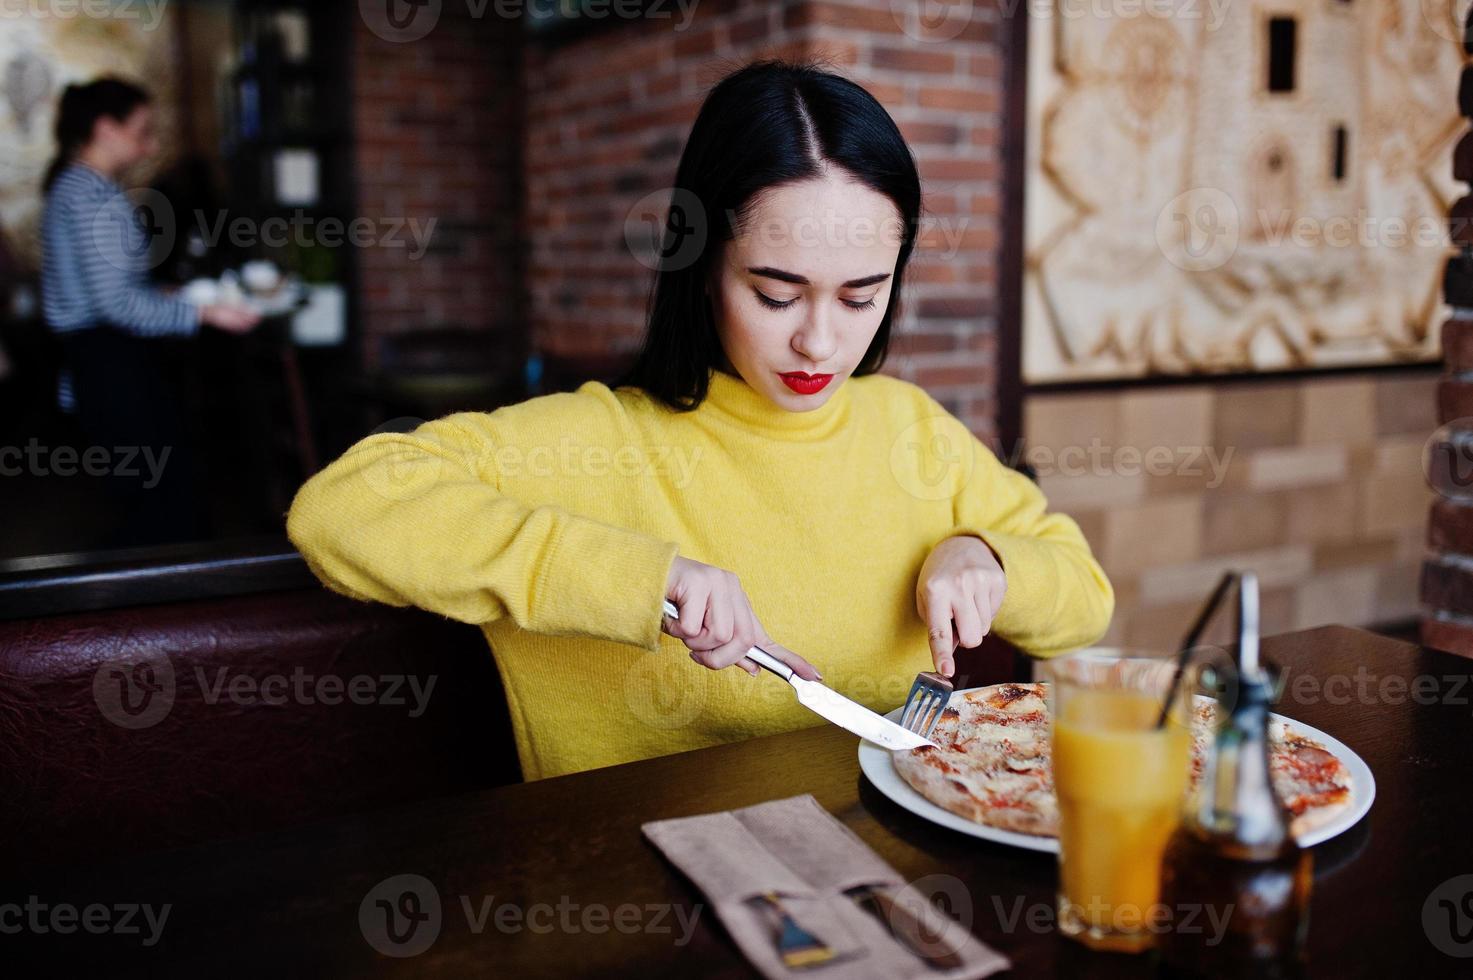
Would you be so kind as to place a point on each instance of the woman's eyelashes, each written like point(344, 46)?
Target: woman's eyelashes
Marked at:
point(773, 304)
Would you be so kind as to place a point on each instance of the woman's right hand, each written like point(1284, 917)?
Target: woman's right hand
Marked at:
point(717, 622)
point(231, 319)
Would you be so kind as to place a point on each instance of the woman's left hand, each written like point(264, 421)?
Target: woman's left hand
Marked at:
point(961, 581)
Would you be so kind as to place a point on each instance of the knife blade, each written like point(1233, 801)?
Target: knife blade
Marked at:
point(830, 704)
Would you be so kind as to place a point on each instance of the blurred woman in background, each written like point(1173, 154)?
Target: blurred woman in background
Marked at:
point(97, 299)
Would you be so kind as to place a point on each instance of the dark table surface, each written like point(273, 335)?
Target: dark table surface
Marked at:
point(554, 877)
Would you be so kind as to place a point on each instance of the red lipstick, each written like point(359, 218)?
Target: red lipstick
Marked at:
point(805, 384)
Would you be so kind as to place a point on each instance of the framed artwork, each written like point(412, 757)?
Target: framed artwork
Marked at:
point(1213, 187)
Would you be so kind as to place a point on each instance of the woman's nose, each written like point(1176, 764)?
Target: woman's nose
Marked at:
point(816, 340)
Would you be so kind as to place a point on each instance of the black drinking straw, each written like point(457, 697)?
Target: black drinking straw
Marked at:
point(1184, 652)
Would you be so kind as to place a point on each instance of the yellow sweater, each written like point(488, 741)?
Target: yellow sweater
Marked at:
point(553, 524)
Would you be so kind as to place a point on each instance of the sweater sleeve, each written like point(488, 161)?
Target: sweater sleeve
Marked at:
point(1058, 597)
point(419, 518)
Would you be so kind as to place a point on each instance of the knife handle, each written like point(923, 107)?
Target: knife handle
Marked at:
point(757, 655)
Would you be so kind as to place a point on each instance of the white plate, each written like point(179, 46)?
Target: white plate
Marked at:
point(876, 764)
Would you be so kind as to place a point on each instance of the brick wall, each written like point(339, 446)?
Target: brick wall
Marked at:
point(1321, 490)
point(1447, 575)
point(1318, 488)
point(607, 116)
point(437, 124)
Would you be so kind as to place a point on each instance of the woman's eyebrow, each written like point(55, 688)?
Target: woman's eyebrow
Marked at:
point(793, 277)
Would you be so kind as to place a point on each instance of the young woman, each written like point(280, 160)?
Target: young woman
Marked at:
point(752, 467)
point(97, 299)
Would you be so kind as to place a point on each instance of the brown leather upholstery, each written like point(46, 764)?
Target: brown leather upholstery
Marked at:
point(103, 753)
point(119, 731)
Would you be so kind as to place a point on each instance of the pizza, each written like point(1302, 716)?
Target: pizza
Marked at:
point(992, 763)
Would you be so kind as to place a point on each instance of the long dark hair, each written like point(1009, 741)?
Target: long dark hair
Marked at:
point(769, 123)
point(81, 107)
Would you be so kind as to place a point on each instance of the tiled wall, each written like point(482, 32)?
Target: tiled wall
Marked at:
point(1317, 487)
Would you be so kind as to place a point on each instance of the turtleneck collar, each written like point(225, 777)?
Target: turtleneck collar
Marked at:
point(733, 398)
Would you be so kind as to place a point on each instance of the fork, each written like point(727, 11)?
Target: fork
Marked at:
point(928, 698)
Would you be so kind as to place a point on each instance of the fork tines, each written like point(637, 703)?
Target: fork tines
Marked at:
point(926, 701)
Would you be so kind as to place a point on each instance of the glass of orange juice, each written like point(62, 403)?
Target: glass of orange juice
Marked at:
point(1120, 781)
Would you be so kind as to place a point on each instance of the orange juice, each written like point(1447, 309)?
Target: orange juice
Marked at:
point(1120, 783)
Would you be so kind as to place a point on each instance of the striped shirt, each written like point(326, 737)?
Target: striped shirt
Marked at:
point(95, 263)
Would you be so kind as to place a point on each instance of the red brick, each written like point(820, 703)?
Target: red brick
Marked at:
point(1450, 527)
point(1447, 587)
point(1463, 158)
point(953, 307)
point(888, 95)
point(938, 272)
point(975, 99)
point(960, 374)
point(1460, 221)
point(908, 58)
point(1451, 636)
point(959, 168)
point(939, 134)
point(817, 13)
point(1449, 470)
point(923, 342)
point(1454, 400)
point(1457, 343)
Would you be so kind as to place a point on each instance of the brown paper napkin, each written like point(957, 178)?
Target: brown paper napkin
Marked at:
point(795, 848)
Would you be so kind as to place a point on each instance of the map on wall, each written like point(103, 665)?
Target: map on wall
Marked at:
point(1237, 187)
point(39, 57)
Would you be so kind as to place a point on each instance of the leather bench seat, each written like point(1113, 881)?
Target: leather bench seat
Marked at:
point(132, 729)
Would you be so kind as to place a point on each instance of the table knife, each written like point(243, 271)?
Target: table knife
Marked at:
point(832, 705)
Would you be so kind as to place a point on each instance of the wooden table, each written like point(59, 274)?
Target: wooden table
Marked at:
point(567, 854)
